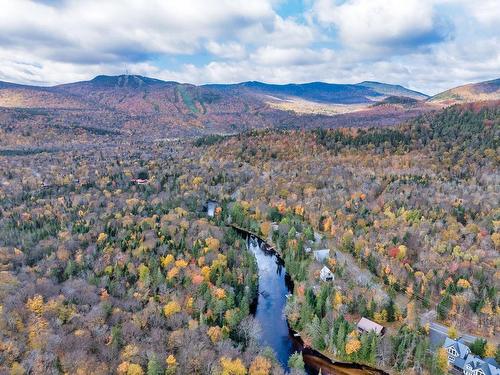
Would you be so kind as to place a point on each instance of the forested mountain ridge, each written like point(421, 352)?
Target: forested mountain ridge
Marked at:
point(148, 108)
point(88, 91)
point(132, 105)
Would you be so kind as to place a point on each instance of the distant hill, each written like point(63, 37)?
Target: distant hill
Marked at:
point(130, 81)
point(473, 92)
point(316, 92)
point(397, 100)
point(393, 90)
point(146, 107)
point(322, 92)
point(138, 93)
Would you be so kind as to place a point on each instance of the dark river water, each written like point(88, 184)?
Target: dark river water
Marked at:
point(274, 285)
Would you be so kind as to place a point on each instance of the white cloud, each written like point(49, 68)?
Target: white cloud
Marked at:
point(56, 41)
point(381, 25)
point(447, 66)
point(230, 50)
point(271, 56)
point(124, 29)
point(113, 34)
point(486, 12)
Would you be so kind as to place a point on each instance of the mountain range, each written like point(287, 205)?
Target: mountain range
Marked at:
point(151, 108)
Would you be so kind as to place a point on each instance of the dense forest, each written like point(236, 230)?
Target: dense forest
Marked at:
point(415, 205)
point(109, 263)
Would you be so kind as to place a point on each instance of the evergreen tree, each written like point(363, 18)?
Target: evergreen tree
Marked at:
point(444, 306)
point(421, 353)
point(314, 330)
point(477, 347)
point(296, 361)
point(391, 311)
point(340, 342)
point(372, 354)
point(154, 366)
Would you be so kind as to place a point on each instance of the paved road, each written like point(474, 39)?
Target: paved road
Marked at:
point(439, 332)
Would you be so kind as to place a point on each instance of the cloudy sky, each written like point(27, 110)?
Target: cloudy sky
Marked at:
point(427, 45)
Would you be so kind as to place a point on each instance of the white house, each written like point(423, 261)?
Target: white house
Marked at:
point(326, 274)
point(211, 206)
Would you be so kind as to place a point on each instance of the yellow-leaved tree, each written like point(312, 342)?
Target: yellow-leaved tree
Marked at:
point(171, 363)
point(135, 369)
point(171, 308)
point(452, 332)
point(265, 228)
point(232, 367)
point(197, 181)
point(353, 344)
point(337, 300)
point(442, 361)
point(212, 243)
point(214, 333)
point(462, 283)
point(260, 366)
point(166, 260)
point(490, 350)
point(35, 304)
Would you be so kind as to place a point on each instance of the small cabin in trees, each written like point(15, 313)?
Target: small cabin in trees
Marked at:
point(321, 255)
point(210, 208)
point(140, 181)
point(366, 325)
point(326, 274)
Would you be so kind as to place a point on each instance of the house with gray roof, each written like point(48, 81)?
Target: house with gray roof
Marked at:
point(321, 255)
point(477, 366)
point(367, 325)
point(210, 208)
point(460, 356)
point(457, 352)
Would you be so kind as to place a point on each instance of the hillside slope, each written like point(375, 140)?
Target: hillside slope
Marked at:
point(393, 90)
point(473, 92)
point(332, 93)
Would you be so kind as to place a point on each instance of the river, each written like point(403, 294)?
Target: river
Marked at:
point(274, 286)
